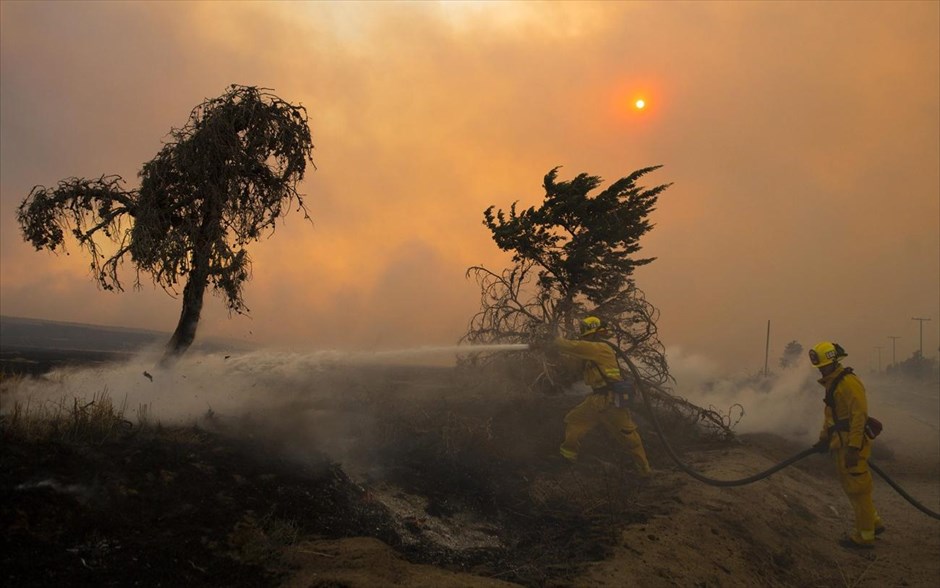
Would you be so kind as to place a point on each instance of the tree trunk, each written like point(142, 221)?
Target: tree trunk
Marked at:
point(185, 332)
point(195, 289)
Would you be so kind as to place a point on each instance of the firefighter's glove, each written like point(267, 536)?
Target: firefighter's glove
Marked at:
point(851, 457)
point(632, 397)
point(822, 446)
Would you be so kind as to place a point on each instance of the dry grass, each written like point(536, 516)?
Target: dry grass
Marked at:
point(75, 420)
point(261, 540)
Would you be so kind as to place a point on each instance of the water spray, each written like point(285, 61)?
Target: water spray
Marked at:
point(292, 362)
point(365, 357)
point(446, 350)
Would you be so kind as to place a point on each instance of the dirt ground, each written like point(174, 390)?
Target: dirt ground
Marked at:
point(453, 490)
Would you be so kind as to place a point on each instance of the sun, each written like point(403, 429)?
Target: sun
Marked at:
point(632, 102)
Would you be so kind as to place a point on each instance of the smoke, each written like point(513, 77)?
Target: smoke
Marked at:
point(304, 403)
point(789, 403)
point(910, 412)
point(232, 383)
point(330, 402)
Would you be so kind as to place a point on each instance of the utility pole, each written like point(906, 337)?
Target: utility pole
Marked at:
point(767, 351)
point(878, 349)
point(894, 350)
point(921, 320)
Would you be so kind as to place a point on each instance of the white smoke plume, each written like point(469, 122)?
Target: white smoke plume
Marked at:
point(789, 403)
point(305, 402)
point(306, 396)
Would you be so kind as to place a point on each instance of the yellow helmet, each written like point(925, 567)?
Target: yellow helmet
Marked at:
point(826, 353)
point(592, 324)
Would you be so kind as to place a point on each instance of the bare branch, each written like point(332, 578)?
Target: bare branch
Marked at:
point(88, 210)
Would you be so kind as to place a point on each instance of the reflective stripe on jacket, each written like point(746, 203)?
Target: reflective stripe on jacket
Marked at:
point(851, 406)
point(593, 353)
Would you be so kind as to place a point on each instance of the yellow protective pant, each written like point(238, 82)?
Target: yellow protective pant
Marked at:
point(595, 410)
point(857, 485)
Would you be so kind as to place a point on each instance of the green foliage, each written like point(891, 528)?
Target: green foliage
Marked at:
point(85, 209)
point(791, 354)
point(219, 183)
point(583, 245)
point(574, 254)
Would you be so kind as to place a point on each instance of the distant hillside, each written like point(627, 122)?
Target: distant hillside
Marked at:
point(35, 346)
point(20, 333)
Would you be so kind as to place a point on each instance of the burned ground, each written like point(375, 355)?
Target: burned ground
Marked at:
point(181, 507)
point(416, 477)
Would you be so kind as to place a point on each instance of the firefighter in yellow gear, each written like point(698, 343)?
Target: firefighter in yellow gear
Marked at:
point(844, 436)
point(605, 406)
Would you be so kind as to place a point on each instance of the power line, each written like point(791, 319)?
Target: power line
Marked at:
point(767, 351)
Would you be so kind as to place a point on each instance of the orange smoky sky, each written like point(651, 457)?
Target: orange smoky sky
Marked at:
point(802, 141)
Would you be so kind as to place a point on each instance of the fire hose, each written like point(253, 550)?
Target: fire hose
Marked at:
point(759, 476)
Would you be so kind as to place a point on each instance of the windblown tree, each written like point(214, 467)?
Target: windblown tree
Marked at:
point(573, 255)
point(791, 354)
point(219, 183)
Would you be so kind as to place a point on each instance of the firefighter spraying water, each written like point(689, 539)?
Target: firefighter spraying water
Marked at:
point(606, 405)
point(847, 433)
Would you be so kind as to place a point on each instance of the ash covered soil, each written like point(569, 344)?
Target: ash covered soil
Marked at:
point(418, 478)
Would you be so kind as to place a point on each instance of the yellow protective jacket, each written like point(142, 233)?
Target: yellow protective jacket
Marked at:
point(593, 353)
point(851, 407)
